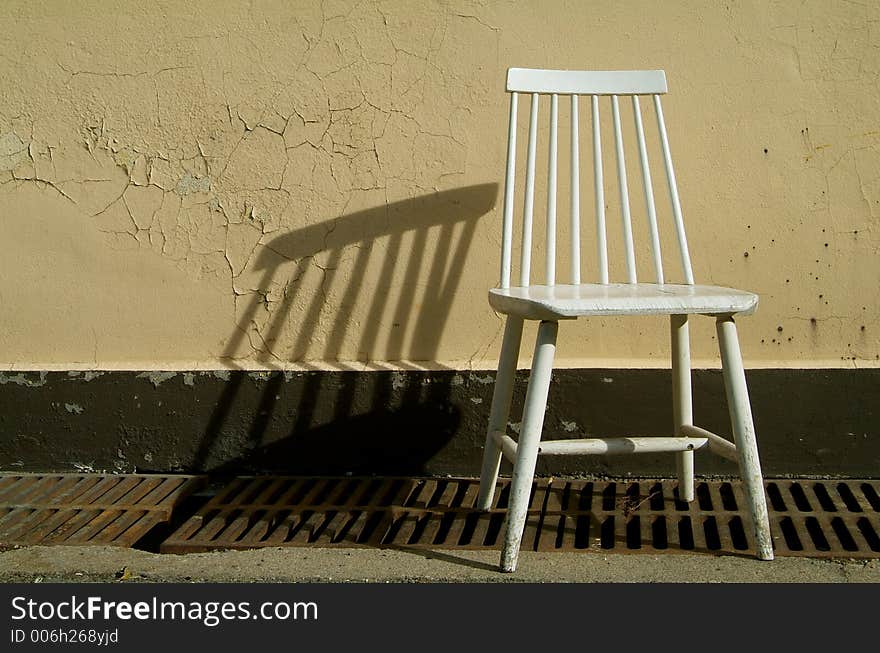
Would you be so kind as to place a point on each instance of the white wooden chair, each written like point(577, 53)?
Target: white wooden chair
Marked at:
point(552, 302)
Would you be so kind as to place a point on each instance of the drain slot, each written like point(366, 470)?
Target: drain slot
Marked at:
point(872, 496)
point(800, 498)
point(634, 533)
point(852, 504)
point(658, 534)
point(824, 498)
point(738, 534)
point(815, 531)
point(686, 534)
point(713, 539)
point(606, 533)
point(846, 540)
point(774, 496)
point(869, 534)
point(728, 500)
point(609, 497)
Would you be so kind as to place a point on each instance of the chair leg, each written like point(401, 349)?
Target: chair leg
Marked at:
point(744, 433)
point(682, 405)
point(500, 409)
point(527, 446)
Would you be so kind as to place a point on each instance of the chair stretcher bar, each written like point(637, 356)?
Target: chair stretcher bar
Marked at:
point(694, 440)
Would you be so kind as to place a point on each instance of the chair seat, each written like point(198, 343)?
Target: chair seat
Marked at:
point(571, 301)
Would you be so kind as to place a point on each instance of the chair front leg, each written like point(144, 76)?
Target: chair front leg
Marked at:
point(744, 433)
point(527, 445)
point(500, 409)
point(682, 403)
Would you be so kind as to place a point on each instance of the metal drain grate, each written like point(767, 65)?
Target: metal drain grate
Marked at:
point(86, 508)
point(808, 518)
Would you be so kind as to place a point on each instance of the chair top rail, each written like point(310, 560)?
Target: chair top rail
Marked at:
point(587, 82)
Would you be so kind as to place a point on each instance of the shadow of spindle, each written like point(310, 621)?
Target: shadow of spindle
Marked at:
point(370, 424)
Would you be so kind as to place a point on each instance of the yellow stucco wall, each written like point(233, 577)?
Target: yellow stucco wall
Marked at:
point(187, 184)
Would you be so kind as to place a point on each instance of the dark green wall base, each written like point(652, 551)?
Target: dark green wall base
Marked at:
point(809, 422)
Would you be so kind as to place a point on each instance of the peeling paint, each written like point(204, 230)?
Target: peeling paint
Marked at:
point(13, 151)
point(86, 375)
point(85, 468)
point(157, 378)
point(25, 379)
point(75, 409)
point(190, 184)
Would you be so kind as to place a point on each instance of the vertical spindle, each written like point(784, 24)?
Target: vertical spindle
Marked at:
point(575, 195)
point(624, 194)
point(601, 242)
point(673, 195)
point(529, 209)
point(649, 190)
point(551, 192)
point(509, 179)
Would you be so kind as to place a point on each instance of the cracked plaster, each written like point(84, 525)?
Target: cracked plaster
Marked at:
point(152, 171)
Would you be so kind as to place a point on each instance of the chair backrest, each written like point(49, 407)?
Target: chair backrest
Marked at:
point(594, 84)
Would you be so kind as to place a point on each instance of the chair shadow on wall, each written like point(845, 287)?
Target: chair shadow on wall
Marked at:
point(350, 423)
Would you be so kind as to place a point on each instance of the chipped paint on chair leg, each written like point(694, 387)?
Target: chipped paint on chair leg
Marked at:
point(530, 438)
point(744, 433)
point(500, 409)
point(682, 404)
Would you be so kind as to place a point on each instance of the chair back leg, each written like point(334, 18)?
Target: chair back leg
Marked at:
point(504, 379)
point(744, 433)
point(529, 439)
point(682, 401)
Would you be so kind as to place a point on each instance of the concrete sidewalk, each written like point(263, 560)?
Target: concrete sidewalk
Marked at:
point(114, 564)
